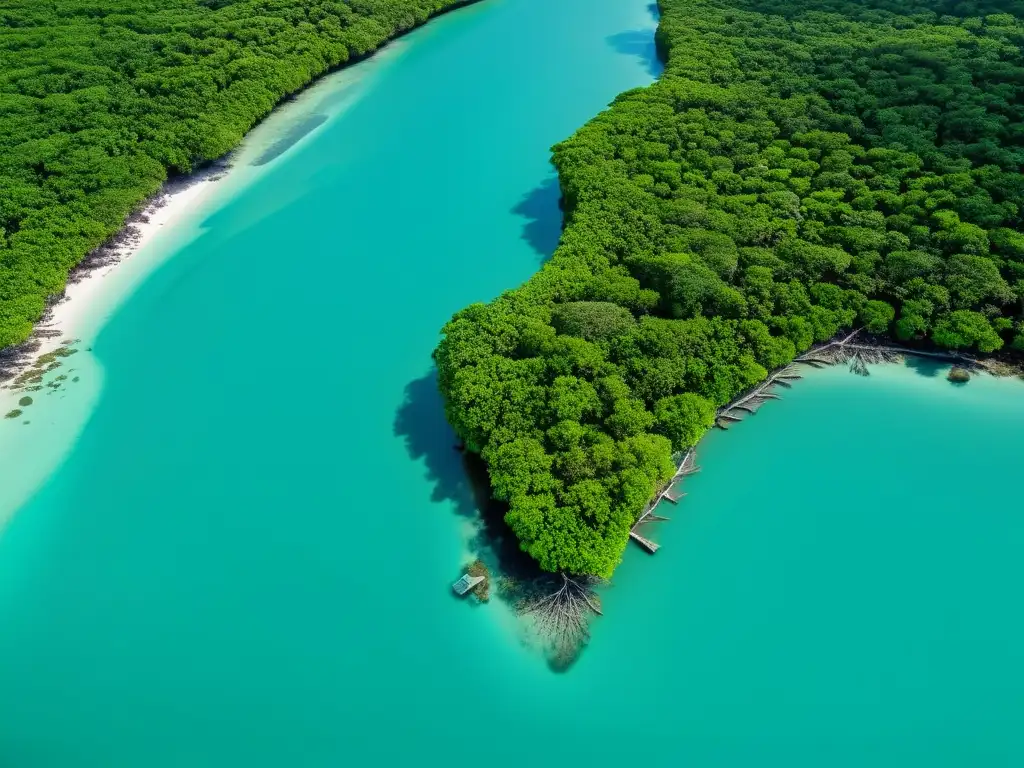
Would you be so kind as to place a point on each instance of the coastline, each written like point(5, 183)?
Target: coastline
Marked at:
point(84, 293)
point(89, 292)
point(845, 350)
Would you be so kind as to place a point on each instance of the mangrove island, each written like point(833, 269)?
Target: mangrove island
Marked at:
point(799, 169)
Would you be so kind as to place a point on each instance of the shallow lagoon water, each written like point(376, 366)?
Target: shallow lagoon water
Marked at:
point(244, 556)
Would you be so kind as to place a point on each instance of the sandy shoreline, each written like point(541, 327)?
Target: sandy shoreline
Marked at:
point(88, 291)
point(88, 284)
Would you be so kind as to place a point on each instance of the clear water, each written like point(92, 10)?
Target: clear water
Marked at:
point(244, 556)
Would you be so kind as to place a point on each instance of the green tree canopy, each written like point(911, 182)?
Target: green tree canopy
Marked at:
point(592, 320)
point(684, 418)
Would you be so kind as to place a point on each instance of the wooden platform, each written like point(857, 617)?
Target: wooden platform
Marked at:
point(466, 583)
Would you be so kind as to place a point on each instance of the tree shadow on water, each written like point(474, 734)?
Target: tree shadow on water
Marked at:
point(640, 44)
point(458, 477)
point(421, 423)
point(923, 366)
point(543, 213)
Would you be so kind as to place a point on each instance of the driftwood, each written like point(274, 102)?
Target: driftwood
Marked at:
point(750, 401)
point(843, 350)
point(686, 465)
point(561, 608)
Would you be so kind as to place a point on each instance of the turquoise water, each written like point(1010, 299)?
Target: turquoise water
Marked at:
point(244, 558)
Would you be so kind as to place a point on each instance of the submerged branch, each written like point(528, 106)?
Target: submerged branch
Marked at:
point(561, 608)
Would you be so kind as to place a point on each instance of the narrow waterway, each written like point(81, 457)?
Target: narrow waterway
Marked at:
point(244, 554)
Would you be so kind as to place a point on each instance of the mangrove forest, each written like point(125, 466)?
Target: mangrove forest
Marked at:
point(802, 167)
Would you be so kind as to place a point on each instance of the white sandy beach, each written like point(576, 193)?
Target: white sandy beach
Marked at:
point(93, 294)
point(95, 291)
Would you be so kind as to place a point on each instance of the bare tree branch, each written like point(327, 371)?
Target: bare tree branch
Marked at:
point(561, 608)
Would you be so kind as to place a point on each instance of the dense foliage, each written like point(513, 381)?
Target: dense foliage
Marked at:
point(100, 100)
point(802, 166)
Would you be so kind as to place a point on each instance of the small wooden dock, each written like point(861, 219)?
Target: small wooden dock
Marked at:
point(466, 583)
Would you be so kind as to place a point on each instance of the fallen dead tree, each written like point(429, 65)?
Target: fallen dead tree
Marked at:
point(749, 402)
point(858, 356)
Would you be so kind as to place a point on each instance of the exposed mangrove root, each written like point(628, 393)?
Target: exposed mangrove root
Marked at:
point(860, 355)
point(561, 608)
